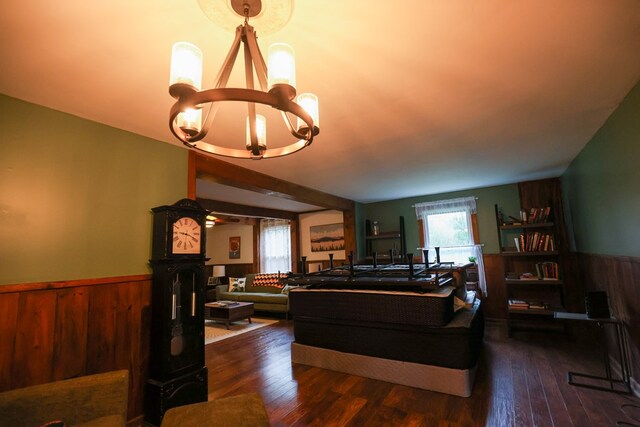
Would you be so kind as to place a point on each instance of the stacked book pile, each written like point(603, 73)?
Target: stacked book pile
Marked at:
point(223, 303)
point(517, 304)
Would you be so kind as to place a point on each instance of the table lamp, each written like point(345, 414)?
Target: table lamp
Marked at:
point(218, 272)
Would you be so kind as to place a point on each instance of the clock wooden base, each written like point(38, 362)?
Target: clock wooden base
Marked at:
point(161, 396)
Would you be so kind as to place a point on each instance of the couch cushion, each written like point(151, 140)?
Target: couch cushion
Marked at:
point(267, 298)
point(269, 279)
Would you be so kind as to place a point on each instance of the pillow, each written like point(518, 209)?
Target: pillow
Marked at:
point(236, 284)
point(269, 279)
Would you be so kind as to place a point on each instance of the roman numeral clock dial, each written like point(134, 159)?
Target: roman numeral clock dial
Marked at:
point(186, 236)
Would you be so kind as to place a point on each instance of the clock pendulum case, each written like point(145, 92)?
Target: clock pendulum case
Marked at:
point(177, 373)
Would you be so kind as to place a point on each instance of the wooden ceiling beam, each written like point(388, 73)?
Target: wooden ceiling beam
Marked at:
point(244, 210)
point(221, 172)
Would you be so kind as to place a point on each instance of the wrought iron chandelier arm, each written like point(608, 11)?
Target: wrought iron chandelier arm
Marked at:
point(251, 107)
point(310, 131)
point(256, 57)
point(227, 66)
point(221, 82)
point(197, 99)
point(245, 154)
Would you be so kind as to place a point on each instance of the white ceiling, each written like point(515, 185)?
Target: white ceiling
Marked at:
point(416, 98)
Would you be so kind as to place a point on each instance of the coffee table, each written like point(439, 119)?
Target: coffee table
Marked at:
point(231, 312)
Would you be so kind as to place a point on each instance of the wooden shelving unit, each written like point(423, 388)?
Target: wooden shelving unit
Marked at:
point(385, 240)
point(542, 291)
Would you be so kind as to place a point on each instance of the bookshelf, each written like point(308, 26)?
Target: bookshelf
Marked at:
point(533, 279)
point(383, 241)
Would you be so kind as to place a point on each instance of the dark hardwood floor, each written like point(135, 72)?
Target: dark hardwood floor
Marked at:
point(521, 382)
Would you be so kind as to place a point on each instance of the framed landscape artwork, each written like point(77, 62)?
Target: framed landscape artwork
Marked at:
point(328, 237)
point(234, 247)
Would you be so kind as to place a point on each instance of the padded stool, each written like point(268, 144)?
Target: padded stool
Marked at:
point(245, 410)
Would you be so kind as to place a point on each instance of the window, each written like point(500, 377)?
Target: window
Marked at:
point(449, 225)
point(275, 246)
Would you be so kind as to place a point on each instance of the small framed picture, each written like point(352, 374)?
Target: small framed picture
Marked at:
point(234, 247)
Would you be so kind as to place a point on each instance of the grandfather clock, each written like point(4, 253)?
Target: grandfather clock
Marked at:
point(177, 373)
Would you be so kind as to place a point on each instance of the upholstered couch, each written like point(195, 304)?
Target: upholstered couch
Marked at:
point(264, 298)
point(92, 400)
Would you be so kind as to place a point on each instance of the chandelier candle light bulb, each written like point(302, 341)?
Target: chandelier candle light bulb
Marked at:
point(190, 121)
point(281, 65)
point(186, 65)
point(261, 132)
point(309, 102)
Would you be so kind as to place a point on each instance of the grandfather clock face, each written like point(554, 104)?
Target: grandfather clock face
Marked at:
point(186, 236)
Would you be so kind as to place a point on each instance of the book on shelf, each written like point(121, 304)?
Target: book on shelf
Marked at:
point(547, 270)
point(538, 306)
point(527, 276)
point(512, 275)
point(536, 215)
point(518, 304)
point(535, 242)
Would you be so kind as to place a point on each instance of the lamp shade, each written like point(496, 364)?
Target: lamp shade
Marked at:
point(190, 121)
point(281, 65)
point(309, 102)
point(186, 65)
point(218, 271)
point(261, 131)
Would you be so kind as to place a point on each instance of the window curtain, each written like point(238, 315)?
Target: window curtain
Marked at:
point(458, 254)
point(275, 246)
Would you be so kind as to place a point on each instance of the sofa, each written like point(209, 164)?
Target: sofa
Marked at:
point(261, 292)
point(92, 400)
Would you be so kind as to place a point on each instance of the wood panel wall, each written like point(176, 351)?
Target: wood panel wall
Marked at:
point(495, 302)
point(619, 276)
point(58, 330)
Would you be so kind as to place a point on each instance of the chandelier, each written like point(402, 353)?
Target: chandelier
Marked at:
point(276, 81)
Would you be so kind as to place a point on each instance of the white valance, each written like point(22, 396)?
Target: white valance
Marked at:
point(461, 204)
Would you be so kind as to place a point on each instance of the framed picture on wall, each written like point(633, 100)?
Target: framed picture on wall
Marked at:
point(234, 247)
point(327, 237)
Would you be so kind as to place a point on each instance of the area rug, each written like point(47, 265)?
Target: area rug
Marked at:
point(216, 331)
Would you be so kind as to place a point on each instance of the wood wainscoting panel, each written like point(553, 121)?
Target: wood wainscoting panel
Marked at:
point(8, 322)
point(238, 270)
point(619, 276)
point(494, 303)
point(34, 339)
point(70, 351)
point(57, 330)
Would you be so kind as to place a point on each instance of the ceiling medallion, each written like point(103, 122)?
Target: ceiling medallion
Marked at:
point(276, 79)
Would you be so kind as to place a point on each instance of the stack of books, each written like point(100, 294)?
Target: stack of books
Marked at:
point(223, 303)
point(517, 304)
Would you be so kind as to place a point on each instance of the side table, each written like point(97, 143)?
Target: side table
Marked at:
point(621, 344)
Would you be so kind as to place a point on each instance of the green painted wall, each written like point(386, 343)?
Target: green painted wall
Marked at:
point(75, 195)
point(601, 187)
point(388, 213)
